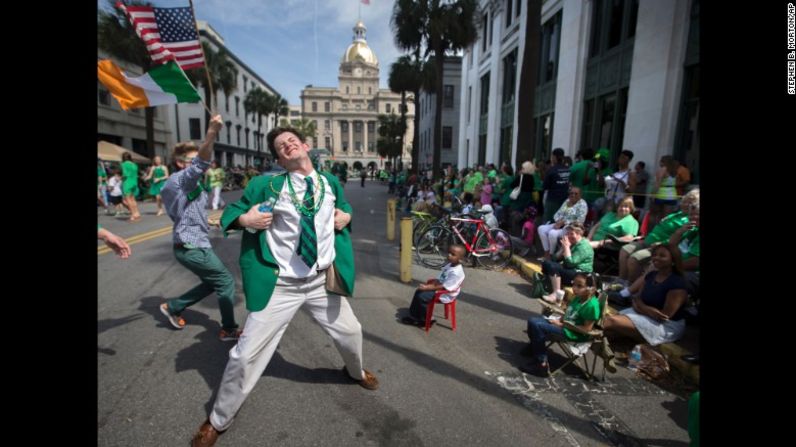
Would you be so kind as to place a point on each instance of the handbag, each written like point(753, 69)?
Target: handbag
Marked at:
point(516, 191)
point(539, 286)
point(334, 284)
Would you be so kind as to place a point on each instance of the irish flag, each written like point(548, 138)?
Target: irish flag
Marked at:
point(164, 84)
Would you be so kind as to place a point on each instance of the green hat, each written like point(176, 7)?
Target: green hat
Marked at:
point(603, 153)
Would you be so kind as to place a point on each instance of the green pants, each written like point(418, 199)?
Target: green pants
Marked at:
point(215, 278)
point(693, 419)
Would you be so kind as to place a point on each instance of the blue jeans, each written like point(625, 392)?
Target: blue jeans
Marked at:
point(540, 331)
point(420, 304)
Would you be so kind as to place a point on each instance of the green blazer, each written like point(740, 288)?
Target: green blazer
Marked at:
point(257, 264)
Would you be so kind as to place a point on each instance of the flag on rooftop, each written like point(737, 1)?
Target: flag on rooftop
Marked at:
point(169, 34)
point(164, 84)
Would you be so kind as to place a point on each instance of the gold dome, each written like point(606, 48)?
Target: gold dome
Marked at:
point(360, 51)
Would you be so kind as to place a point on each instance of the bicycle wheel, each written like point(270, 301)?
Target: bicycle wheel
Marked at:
point(493, 249)
point(432, 246)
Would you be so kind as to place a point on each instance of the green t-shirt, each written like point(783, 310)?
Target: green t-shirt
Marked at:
point(474, 180)
point(582, 258)
point(578, 172)
point(611, 224)
point(666, 227)
point(593, 190)
point(689, 244)
point(216, 177)
point(578, 313)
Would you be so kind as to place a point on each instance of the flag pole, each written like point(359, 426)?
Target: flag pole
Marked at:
point(202, 48)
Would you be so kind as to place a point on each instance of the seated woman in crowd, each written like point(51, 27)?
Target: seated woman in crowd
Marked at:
point(583, 311)
point(578, 256)
point(658, 311)
point(634, 256)
point(620, 224)
point(573, 210)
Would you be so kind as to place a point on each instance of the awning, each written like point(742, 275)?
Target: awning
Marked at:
point(111, 152)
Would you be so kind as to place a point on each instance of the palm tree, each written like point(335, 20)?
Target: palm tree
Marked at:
point(256, 101)
point(115, 36)
point(439, 27)
point(307, 128)
point(223, 76)
point(525, 97)
point(279, 107)
point(405, 77)
point(390, 141)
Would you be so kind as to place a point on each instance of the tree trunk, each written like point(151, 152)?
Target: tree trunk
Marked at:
point(149, 119)
point(528, 75)
point(439, 61)
point(416, 135)
point(403, 122)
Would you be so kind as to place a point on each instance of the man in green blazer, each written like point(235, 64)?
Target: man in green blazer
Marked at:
point(296, 231)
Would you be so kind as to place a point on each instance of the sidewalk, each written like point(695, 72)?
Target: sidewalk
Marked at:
point(687, 345)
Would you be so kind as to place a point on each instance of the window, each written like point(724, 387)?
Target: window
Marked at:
point(548, 52)
point(358, 107)
point(327, 141)
point(327, 107)
point(245, 82)
point(228, 126)
point(314, 106)
point(254, 117)
point(447, 137)
point(371, 146)
point(359, 90)
point(484, 94)
point(357, 126)
point(247, 137)
point(343, 126)
point(345, 146)
point(469, 102)
point(237, 106)
point(613, 22)
point(371, 126)
point(237, 128)
point(327, 125)
point(447, 100)
point(509, 76)
point(346, 89)
point(509, 16)
point(358, 146)
point(370, 90)
point(195, 128)
point(388, 108)
point(485, 30)
point(103, 97)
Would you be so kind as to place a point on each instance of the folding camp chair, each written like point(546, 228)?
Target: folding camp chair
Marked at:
point(596, 342)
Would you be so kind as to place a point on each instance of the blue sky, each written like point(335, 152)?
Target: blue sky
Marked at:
point(292, 43)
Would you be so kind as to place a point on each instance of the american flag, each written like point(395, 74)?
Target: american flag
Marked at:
point(169, 34)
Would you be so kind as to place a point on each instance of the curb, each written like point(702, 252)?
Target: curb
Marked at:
point(672, 351)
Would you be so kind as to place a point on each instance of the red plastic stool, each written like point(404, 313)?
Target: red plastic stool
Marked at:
point(450, 310)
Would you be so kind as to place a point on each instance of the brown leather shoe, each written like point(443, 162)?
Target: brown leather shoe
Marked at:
point(206, 436)
point(370, 382)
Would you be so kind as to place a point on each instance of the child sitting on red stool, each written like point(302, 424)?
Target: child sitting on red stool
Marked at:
point(450, 278)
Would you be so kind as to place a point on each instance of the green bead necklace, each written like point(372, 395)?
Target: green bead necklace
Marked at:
point(301, 207)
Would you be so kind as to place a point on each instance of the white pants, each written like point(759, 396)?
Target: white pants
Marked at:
point(550, 236)
point(217, 197)
point(263, 330)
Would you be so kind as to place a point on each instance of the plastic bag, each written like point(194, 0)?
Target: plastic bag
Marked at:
point(652, 363)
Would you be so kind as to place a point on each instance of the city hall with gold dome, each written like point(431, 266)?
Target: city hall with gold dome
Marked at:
point(346, 116)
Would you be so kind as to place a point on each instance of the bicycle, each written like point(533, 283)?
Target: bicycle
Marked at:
point(491, 247)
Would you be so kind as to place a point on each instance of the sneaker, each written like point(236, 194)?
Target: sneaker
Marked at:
point(230, 335)
point(175, 320)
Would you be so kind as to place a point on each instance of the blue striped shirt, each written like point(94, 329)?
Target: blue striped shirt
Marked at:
point(190, 217)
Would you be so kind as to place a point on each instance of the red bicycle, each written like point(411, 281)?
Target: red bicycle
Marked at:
point(491, 247)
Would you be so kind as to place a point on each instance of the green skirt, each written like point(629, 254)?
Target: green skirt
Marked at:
point(155, 188)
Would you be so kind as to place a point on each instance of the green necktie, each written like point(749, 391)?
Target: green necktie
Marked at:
point(308, 241)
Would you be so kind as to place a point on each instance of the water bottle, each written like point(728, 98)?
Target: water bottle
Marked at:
point(265, 207)
point(634, 358)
